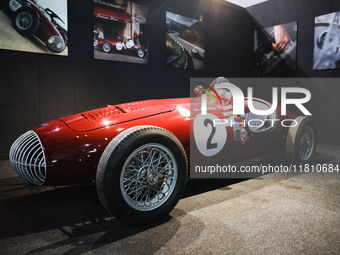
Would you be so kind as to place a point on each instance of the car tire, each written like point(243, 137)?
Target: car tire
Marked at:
point(106, 47)
point(119, 46)
point(25, 21)
point(301, 140)
point(132, 185)
point(140, 53)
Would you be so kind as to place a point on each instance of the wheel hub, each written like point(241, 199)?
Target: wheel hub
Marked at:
point(152, 179)
point(25, 20)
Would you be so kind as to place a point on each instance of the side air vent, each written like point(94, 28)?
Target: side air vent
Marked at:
point(27, 157)
point(102, 114)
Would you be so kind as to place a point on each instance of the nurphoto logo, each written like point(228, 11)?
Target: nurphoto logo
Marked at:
point(238, 99)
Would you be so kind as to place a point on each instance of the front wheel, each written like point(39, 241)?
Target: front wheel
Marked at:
point(26, 22)
point(301, 140)
point(142, 173)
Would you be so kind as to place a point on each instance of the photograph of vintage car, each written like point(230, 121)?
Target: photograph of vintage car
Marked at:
point(34, 26)
point(327, 41)
point(125, 45)
point(184, 42)
point(120, 31)
point(275, 49)
point(138, 153)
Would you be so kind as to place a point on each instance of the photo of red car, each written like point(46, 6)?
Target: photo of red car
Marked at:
point(120, 31)
point(121, 46)
point(30, 18)
point(138, 153)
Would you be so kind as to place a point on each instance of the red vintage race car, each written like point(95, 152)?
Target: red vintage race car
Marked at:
point(195, 53)
point(30, 18)
point(125, 45)
point(137, 153)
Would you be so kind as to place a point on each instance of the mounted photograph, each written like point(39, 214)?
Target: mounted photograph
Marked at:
point(120, 31)
point(34, 26)
point(327, 41)
point(275, 49)
point(184, 42)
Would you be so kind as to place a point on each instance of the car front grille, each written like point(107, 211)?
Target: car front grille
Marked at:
point(27, 157)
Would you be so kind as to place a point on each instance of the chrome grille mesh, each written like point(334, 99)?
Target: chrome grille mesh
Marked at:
point(27, 157)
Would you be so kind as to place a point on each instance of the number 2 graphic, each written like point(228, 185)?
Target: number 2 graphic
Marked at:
point(210, 145)
point(209, 138)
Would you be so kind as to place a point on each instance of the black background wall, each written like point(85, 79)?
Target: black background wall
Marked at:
point(36, 88)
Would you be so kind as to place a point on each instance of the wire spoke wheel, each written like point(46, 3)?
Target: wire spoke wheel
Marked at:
point(306, 143)
point(148, 177)
point(301, 140)
point(142, 173)
point(24, 20)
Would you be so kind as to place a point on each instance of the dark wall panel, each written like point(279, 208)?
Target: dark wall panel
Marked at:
point(57, 95)
point(20, 95)
point(265, 14)
point(311, 8)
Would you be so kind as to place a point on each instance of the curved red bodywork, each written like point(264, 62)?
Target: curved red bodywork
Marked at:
point(73, 145)
point(46, 28)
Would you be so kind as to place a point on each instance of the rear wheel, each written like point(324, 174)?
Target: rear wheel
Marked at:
point(142, 173)
point(301, 140)
point(140, 53)
point(25, 21)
